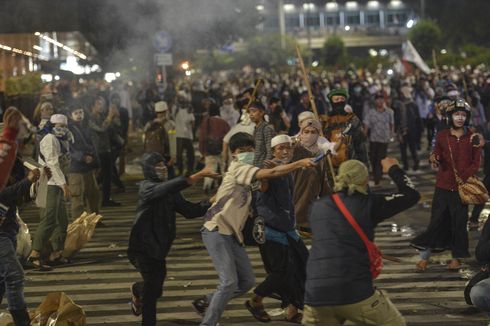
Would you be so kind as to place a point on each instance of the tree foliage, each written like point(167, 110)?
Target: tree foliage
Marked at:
point(333, 51)
point(426, 36)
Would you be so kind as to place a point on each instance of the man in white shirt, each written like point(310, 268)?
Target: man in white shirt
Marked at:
point(55, 154)
point(184, 125)
point(228, 112)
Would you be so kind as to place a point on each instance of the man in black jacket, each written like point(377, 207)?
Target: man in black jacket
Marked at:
point(11, 272)
point(154, 229)
point(480, 292)
point(339, 283)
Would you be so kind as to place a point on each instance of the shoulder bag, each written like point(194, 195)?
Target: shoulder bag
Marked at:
point(375, 255)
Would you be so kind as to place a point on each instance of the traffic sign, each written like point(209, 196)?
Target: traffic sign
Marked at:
point(162, 41)
point(163, 59)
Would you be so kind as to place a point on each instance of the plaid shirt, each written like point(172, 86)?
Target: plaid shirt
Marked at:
point(263, 135)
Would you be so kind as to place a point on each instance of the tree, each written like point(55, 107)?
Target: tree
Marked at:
point(333, 51)
point(425, 36)
point(265, 51)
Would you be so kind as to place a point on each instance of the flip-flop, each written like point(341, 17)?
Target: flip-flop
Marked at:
point(296, 319)
point(37, 265)
point(259, 313)
point(136, 306)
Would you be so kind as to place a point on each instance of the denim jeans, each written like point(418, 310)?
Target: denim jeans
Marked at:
point(234, 269)
point(11, 275)
point(480, 295)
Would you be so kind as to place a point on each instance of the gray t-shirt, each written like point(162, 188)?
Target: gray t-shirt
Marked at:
point(379, 124)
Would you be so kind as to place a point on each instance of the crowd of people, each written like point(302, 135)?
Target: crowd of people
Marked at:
point(273, 154)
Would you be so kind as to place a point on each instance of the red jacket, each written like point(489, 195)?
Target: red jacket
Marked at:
point(8, 146)
point(466, 158)
point(216, 129)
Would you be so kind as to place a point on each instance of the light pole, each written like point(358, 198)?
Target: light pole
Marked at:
point(282, 23)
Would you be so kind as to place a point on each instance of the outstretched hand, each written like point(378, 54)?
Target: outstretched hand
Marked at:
point(387, 163)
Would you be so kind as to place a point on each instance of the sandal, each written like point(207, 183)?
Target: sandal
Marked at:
point(58, 261)
point(421, 266)
point(296, 319)
point(37, 264)
point(454, 265)
point(136, 304)
point(259, 313)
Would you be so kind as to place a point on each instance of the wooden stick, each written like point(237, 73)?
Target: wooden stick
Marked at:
point(254, 93)
point(308, 86)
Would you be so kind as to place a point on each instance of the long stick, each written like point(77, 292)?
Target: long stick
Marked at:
point(313, 106)
point(254, 93)
point(308, 86)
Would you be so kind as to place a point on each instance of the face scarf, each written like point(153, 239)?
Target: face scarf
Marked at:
point(162, 173)
point(310, 140)
point(338, 107)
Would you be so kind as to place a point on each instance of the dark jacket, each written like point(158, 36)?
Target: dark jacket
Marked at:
point(8, 197)
point(81, 147)
point(276, 204)
point(338, 269)
point(154, 229)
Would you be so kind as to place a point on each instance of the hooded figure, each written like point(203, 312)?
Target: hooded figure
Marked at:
point(154, 230)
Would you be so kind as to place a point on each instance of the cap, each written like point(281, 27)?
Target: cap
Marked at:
point(280, 139)
point(161, 106)
point(58, 118)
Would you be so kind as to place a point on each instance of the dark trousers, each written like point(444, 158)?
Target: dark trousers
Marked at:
point(106, 175)
point(114, 171)
point(377, 152)
point(286, 276)
point(410, 142)
point(150, 289)
point(447, 227)
point(185, 144)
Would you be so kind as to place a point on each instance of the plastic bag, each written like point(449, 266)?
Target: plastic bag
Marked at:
point(24, 241)
point(79, 233)
point(57, 309)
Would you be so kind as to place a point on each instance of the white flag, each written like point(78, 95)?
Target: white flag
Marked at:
point(410, 54)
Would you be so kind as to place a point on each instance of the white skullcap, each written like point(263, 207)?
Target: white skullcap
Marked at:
point(305, 115)
point(161, 106)
point(280, 139)
point(58, 118)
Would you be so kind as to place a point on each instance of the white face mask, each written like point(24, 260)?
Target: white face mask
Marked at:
point(308, 140)
point(162, 173)
point(60, 131)
point(246, 157)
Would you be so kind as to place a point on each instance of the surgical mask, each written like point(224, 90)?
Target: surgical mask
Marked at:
point(338, 107)
point(162, 173)
point(308, 140)
point(60, 131)
point(246, 157)
point(357, 90)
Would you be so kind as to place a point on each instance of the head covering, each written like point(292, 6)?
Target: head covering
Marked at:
point(311, 123)
point(161, 106)
point(338, 92)
point(280, 139)
point(148, 163)
point(305, 115)
point(458, 104)
point(353, 176)
point(46, 105)
point(257, 105)
point(58, 118)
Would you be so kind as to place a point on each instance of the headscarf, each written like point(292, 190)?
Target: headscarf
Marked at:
point(308, 142)
point(353, 176)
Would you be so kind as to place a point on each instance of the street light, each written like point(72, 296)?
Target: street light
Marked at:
point(410, 23)
point(347, 28)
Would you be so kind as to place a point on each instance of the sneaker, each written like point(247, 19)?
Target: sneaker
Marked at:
point(200, 305)
point(136, 305)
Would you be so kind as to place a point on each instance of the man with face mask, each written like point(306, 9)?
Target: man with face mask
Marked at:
point(345, 128)
point(284, 254)
point(228, 112)
point(55, 154)
point(153, 231)
point(447, 228)
point(84, 191)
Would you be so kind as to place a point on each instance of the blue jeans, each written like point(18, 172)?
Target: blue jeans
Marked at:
point(11, 275)
point(480, 295)
point(234, 269)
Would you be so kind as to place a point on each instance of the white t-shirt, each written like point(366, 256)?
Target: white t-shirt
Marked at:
point(183, 124)
point(230, 210)
point(249, 129)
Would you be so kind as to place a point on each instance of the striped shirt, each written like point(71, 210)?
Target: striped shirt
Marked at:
point(263, 135)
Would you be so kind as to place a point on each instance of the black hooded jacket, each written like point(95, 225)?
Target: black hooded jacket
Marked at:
point(154, 228)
